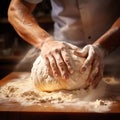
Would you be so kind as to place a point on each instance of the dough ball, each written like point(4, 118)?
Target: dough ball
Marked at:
point(45, 82)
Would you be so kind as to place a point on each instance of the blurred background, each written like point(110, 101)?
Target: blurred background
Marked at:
point(12, 47)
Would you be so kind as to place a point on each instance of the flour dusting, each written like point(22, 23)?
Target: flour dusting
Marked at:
point(22, 91)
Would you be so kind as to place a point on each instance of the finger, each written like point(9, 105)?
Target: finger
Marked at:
point(61, 65)
point(53, 66)
point(82, 53)
point(48, 66)
point(98, 76)
point(94, 71)
point(97, 80)
point(67, 60)
point(88, 60)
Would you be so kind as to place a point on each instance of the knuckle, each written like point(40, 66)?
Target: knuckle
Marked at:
point(55, 51)
point(47, 56)
point(61, 63)
point(67, 60)
point(63, 48)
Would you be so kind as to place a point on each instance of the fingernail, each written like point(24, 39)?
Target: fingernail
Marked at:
point(71, 71)
point(56, 75)
point(65, 77)
point(83, 68)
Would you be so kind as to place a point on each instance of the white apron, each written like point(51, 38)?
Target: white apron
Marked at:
point(81, 22)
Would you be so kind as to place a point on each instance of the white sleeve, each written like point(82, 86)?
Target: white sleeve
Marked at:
point(33, 1)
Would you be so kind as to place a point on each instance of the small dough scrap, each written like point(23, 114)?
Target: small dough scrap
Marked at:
point(45, 82)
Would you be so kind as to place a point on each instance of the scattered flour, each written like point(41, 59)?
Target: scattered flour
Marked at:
point(23, 91)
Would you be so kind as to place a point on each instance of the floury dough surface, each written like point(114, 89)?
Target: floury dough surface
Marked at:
point(46, 82)
point(23, 91)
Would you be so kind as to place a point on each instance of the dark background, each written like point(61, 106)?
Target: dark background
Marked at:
point(12, 47)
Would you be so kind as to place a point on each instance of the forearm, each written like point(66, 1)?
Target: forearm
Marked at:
point(20, 16)
point(111, 39)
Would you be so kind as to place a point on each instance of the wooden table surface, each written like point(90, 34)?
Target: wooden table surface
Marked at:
point(48, 111)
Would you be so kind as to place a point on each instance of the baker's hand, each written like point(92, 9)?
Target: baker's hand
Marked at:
point(57, 58)
point(94, 57)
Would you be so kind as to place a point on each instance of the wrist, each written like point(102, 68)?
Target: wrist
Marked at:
point(41, 42)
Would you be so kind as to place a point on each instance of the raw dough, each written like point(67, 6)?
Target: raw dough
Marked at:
point(45, 82)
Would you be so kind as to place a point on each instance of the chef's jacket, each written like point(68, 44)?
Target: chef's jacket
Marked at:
point(81, 22)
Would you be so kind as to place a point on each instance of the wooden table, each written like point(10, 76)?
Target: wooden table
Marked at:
point(15, 111)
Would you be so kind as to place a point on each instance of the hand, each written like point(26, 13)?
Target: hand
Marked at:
point(94, 57)
point(57, 58)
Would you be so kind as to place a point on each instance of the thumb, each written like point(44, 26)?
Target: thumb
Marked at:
point(83, 52)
